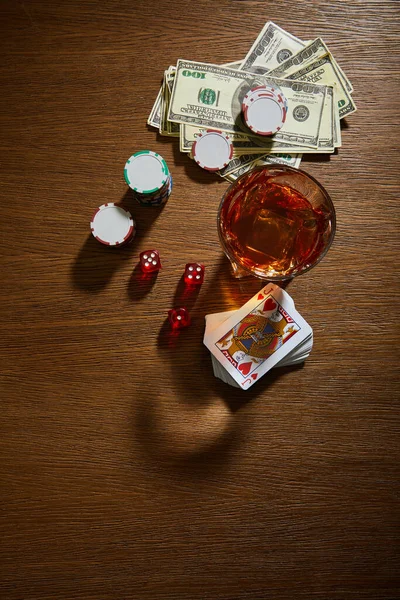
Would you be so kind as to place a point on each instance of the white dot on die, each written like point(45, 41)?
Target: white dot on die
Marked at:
point(190, 268)
point(145, 256)
point(154, 262)
point(152, 255)
point(178, 317)
point(198, 269)
point(190, 276)
point(197, 276)
point(146, 264)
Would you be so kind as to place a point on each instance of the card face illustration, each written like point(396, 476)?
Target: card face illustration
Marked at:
point(250, 341)
point(257, 336)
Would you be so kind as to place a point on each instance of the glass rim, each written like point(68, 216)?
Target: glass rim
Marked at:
point(289, 169)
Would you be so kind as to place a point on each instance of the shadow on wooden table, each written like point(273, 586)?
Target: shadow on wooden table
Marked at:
point(96, 263)
point(203, 421)
point(140, 284)
point(185, 295)
point(192, 169)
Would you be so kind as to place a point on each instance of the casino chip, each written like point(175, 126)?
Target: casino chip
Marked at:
point(212, 150)
point(148, 176)
point(146, 172)
point(265, 110)
point(112, 225)
point(262, 89)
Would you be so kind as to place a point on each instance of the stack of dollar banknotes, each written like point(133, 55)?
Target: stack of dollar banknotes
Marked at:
point(197, 96)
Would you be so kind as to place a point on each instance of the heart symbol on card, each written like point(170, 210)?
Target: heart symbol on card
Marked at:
point(269, 304)
point(254, 375)
point(260, 296)
point(245, 367)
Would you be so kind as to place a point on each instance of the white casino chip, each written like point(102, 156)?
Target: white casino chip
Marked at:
point(146, 172)
point(212, 150)
point(112, 225)
point(265, 115)
point(262, 90)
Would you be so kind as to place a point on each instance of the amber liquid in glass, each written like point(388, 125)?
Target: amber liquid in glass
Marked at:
point(272, 228)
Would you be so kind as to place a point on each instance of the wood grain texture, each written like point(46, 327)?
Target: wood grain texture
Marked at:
point(127, 470)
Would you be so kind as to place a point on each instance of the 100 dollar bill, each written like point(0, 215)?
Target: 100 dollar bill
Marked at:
point(240, 162)
point(292, 160)
point(329, 138)
point(312, 50)
point(315, 64)
point(245, 144)
point(155, 113)
point(172, 128)
point(272, 46)
point(242, 143)
point(233, 65)
point(211, 96)
point(161, 103)
point(323, 71)
point(190, 133)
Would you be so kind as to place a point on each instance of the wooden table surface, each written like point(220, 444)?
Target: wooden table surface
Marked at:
point(127, 470)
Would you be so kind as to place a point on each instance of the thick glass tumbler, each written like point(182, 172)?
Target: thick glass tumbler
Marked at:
point(275, 222)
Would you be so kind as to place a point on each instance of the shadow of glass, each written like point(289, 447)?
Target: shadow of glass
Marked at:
point(198, 432)
point(200, 426)
point(196, 448)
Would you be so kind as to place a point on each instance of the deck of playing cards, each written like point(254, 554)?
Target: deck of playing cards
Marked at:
point(266, 332)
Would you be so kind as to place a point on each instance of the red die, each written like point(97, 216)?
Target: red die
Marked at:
point(150, 261)
point(194, 273)
point(178, 317)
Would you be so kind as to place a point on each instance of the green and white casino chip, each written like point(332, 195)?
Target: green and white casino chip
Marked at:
point(146, 172)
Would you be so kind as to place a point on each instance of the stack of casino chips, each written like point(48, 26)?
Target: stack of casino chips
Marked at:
point(265, 109)
point(148, 176)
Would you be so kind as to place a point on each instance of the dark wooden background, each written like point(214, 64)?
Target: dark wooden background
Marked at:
point(127, 470)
